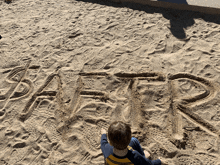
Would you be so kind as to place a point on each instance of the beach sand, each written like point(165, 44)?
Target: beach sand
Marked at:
point(69, 68)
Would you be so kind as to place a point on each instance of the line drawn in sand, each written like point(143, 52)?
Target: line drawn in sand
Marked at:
point(18, 81)
point(184, 106)
point(40, 93)
point(17, 78)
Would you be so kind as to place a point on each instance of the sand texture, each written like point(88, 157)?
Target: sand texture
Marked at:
point(69, 68)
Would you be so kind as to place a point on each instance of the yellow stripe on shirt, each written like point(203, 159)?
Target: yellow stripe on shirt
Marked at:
point(125, 160)
point(112, 161)
point(130, 148)
point(108, 162)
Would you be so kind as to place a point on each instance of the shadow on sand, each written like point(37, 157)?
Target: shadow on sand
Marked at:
point(179, 19)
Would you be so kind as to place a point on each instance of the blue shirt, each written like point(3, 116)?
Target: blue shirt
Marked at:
point(132, 158)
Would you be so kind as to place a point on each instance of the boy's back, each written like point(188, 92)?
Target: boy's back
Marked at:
point(131, 158)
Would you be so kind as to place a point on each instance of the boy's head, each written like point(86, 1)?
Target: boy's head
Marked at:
point(119, 134)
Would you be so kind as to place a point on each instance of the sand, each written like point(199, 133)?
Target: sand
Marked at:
point(69, 68)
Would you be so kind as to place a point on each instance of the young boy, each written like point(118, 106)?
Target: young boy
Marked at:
point(123, 149)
